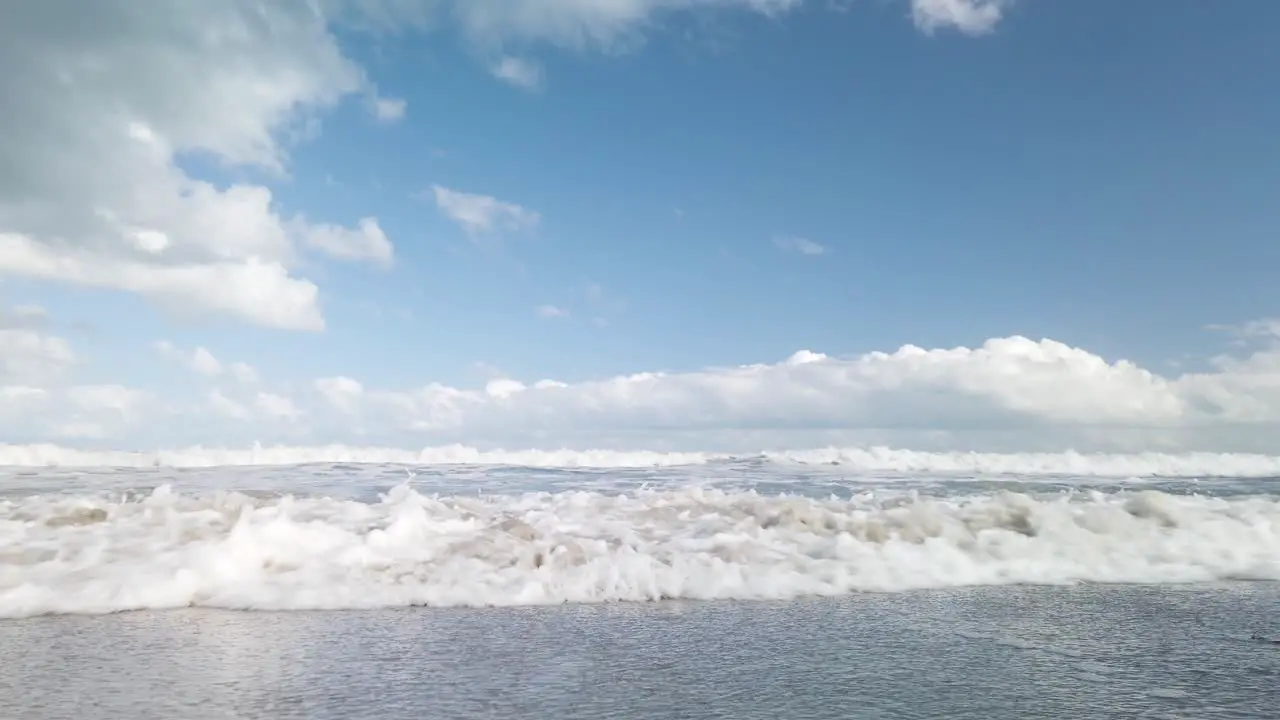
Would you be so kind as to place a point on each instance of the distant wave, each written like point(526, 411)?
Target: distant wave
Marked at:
point(851, 460)
point(163, 549)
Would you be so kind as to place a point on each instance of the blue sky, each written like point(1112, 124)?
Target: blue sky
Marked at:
point(1097, 173)
point(1094, 173)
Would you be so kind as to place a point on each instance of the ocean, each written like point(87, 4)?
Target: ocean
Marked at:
point(817, 585)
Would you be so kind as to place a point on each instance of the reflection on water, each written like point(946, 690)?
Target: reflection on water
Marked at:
point(1078, 652)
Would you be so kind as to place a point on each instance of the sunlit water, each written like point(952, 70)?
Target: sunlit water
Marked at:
point(722, 591)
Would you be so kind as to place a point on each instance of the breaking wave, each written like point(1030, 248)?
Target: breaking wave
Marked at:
point(853, 460)
point(166, 549)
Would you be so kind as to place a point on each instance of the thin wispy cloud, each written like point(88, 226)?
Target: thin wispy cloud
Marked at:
point(519, 72)
point(390, 109)
point(481, 214)
point(971, 17)
point(551, 311)
point(803, 246)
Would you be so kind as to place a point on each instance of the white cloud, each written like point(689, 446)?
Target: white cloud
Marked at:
point(974, 17)
point(483, 214)
point(614, 25)
point(1006, 394)
point(100, 108)
point(367, 242)
point(551, 311)
point(262, 292)
point(278, 407)
point(227, 407)
point(242, 373)
point(203, 362)
point(39, 400)
point(26, 354)
point(520, 72)
point(342, 393)
point(598, 24)
point(241, 400)
point(1012, 391)
point(23, 316)
point(390, 109)
point(800, 245)
point(120, 403)
point(1267, 329)
point(21, 408)
point(258, 407)
point(1009, 380)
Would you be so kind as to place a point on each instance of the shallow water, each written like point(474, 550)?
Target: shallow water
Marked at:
point(982, 653)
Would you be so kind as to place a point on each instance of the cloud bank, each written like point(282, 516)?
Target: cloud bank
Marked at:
point(1017, 391)
point(1006, 393)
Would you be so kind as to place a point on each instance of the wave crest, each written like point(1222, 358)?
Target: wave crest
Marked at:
point(87, 554)
point(853, 460)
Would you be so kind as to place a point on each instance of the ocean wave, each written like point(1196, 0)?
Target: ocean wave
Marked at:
point(851, 460)
point(164, 549)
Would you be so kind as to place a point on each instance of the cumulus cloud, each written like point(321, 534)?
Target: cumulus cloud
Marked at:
point(1009, 381)
point(225, 406)
point(40, 400)
point(1010, 393)
point(342, 393)
point(202, 362)
point(242, 373)
point(1026, 393)
point(26, 354)
point(277, 407)
point(120, 404)
point(265, 408)
point(237, 395)
point(102, 107)
point(482, 214)
point(259, 291)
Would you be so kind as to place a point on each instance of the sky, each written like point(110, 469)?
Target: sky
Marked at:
point(990, 225)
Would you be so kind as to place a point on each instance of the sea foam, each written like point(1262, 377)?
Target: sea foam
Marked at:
point(63, 553)
point(849, 460)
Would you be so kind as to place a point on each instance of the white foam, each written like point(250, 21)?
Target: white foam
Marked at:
point(849, 460)
point(200, 457)
point(87, 554)
point(1146, 464)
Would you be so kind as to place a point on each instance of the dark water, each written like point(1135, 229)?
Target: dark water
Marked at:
point(990, 653)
